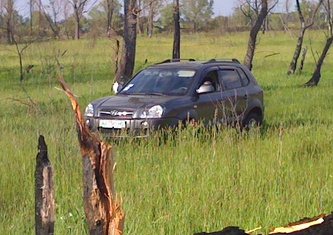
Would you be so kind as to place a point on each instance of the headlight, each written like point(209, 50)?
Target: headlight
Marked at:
point(89, 111)
point(154, 112)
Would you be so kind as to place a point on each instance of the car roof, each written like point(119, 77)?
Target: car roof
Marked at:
point(191, 63)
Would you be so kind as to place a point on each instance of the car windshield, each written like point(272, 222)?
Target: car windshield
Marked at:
point(160, 81)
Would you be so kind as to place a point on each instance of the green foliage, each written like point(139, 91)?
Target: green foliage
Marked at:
point(166, 18)
point(192, 181)
point(98, 17)
point(197, 12)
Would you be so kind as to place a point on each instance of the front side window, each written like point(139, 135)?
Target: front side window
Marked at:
point(210, 82)
point(160, 82)
point(230, 79)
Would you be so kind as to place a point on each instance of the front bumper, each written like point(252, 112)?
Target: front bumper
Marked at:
point(130, 127)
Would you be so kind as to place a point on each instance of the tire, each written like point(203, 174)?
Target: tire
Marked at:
point(252, 120)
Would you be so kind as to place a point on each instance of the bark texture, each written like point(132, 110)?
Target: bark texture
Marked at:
point(176, 35)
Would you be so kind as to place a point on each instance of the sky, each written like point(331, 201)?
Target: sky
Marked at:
point(224, 7)
point(221, 7)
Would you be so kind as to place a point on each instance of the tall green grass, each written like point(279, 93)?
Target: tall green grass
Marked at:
point(191, 182)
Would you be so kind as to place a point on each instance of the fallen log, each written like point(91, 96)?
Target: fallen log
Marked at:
point(101, 206)
point(319, 225)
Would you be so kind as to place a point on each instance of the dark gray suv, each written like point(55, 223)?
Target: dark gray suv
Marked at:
point(176, 92)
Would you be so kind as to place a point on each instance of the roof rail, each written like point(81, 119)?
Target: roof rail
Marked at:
point(230, 60)
point(175, 60)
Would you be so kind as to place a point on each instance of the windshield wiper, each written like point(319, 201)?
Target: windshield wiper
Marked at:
point(129, 93)
point(155, 93)
point(142, 93)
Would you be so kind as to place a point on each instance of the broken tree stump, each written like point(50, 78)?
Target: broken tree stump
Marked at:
point(101, 206)
point(44, 200)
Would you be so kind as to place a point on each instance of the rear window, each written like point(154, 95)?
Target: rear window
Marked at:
point(244, 78)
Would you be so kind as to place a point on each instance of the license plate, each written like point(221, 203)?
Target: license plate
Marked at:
point(117, 124)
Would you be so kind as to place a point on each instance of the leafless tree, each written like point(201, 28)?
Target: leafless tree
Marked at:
point(150, 22)
point(8, 9)
point(138, 16)
point(36, 16)
point(261, 9)
point(126, 65)
point(51, 12)
point(305, 24)
point(147, 11)
point(109, 15)
point(176, 35)
point(31, 6)
point(79, 8)
point(329, 40)
point(66, 11)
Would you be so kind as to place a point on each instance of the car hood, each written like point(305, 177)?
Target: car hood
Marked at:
point(134, 101)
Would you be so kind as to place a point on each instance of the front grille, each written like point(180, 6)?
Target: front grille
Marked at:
point(123, 114)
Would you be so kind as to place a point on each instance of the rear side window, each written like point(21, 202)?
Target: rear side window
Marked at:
point(244, 78)
point(230, 79)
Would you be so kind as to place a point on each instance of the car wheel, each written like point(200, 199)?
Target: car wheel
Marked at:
point(252, 120)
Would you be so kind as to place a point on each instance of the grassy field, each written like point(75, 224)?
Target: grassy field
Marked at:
point(191, 183)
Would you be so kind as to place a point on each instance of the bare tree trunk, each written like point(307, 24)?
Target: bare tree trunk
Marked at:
point(44, 199)
point(253, 34)
point(102, 208)
point(126, 67)
point(110, 5)
point(138, 18)
point(297, 52)
point(52, 18)
point(176, 35)
point(79, 8)
point(9, 6)
point(77, 23)
point(317, 74)
point(151, 19)
point(304, 27)
point(300, 69)
point(31, 2)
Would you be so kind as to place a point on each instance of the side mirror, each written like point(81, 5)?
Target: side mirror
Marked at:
point(204, 88)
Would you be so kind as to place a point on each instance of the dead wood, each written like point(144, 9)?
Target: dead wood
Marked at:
point(102, 209)
point(318, 225)
point(44, 200)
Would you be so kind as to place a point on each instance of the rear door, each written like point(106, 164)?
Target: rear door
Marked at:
point(234, 99)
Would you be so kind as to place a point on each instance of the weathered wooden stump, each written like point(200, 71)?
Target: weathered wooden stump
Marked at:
point(44, 200)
